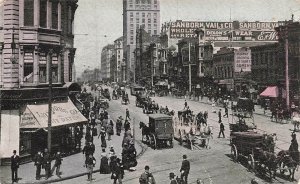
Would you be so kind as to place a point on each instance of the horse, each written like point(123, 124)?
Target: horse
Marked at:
point(286, 160)
point(145, 131)
point(267, 161)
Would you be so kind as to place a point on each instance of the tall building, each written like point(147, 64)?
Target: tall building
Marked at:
point(136, 13)
point(36, 45)
point(118, 72)
point(106, 59)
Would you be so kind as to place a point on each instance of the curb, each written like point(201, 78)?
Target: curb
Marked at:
point(85, 173)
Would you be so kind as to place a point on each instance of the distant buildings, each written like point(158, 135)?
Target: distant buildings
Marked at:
point(136, 14)
point(106, 60)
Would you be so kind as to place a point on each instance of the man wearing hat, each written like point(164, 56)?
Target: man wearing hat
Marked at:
point(14, 166)
point(119, 125)
point(57, 164)
point(185, 169)
point(38, 161)
point(172, 178)
point(293, 149)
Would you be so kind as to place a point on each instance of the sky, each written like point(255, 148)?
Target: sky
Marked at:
point(99, 22)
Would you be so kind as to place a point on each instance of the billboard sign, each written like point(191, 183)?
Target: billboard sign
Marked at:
point(224, 31)
point(242, 60)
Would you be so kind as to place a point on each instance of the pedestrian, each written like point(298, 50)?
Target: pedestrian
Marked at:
point(119, 126)
point(132, 156)
point(220, 115)
point(222, 128)
point(90, 163)
point(127, 115)
point(185, 104)
point(103, 140)
point(185, 169)
point(47, 163)
point(110, 130)
point(147, 177)
point(293, 149)
point(172, 178)
point(126, 125)
point(104, 166)
point(57, 164)
point(38, 161)
point(226, 112)
point(117, 170)
point(15, 161)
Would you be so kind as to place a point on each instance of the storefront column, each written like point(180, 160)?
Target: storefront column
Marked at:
point(48, 56)
point(36, 13)
point(59, 15)
point(21, 66)
point(59, 67)
point(36, 60)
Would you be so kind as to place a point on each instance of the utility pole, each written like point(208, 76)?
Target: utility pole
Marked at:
point(287, 82)
point(50, 98)
point(190, 68)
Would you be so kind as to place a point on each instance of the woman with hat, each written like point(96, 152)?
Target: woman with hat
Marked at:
point(172, 178)
point(293, 149)
point(110, 129)
point(102, 135)
point(104, 166)
point(119, 125)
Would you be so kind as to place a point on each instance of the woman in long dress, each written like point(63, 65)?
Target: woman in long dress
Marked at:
point(104, 166)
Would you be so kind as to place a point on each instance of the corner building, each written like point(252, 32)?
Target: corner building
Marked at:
point(136, 13)
point(36, 44)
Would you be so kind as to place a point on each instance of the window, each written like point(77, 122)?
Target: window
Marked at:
point(54, 73)
point(54, 15)
point(28, 72)
point(149, 15)
point(137, 20)
point(149, 26)
point(131, 25)
point(131, 19)
point(137, 1)
point(155, 1)
point(155, 20)
point(131, 31)
point(143, 14)
point(137, 14)
point(28, 12)
point(149, 1)
point(131, 14)
point(155, 6)
point(155, 32)
point(143, 20)
point(155, 15)
point(43, 13)
point(155, 25)
point(149, 20)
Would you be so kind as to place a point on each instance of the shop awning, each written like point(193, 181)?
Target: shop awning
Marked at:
point(273, 92)
point(36, 116)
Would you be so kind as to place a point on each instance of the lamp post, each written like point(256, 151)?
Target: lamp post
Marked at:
point(50, 98)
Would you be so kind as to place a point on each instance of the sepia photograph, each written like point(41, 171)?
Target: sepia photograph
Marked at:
point(149, 91)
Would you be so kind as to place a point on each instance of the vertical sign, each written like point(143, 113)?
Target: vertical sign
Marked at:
point(242, 60)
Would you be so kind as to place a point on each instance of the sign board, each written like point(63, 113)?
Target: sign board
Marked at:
point(242, 60)
point(224, 31)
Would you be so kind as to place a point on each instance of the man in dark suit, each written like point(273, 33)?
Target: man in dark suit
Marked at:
point(185, 169)
point(38, 162)
point(14, 166)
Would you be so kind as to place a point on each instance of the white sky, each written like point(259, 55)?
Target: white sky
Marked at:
point(98, 18)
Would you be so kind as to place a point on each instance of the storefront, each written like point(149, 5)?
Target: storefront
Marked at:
point(24, 121)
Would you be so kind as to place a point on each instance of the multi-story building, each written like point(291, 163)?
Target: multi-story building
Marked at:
point(119, 62)
point(36, 48)
point(136, 13)
point(267, 69)
point(106, 55)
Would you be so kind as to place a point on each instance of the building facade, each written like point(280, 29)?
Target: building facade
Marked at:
point(136, 13)
point(106, 59)
point(119, 62)
point(36, 38)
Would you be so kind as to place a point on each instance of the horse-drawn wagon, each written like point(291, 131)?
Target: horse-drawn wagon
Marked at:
point(159, 132)
point(187, 130)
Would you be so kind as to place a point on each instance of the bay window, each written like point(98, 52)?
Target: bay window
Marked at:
point(28, 12)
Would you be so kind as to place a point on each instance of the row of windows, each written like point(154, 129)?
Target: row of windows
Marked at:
point(143, 1)
point(143, 14)
point(29, 13)
point(264, 58)
point(224, 72)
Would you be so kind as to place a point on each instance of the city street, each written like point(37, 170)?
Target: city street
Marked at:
point(210, 165)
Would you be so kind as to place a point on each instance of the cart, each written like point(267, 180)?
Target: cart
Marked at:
point(160, 131)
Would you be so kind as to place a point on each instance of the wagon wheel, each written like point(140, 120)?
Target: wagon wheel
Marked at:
point(171, 143)
point(251, 161)
point(234, 153)
point(154, 144)
point(150, 140)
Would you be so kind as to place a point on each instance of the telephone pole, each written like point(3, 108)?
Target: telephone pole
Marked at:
point(190, 69)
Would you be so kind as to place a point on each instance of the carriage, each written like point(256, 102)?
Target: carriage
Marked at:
point(160, 131)
point(259, 151)
point(187, 130)
point(242, 122)
point(150, 107)
point(125, 99)
point(141, 100)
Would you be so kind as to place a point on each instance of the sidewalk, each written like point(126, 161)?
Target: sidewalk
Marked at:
point(72, 166)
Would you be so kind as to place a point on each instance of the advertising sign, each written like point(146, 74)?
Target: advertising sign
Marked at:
point(224, 31)
point(242, 60)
